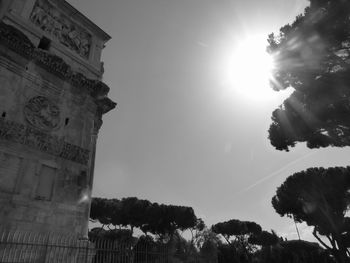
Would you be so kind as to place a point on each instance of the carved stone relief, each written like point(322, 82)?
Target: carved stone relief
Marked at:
point(42, 113)
point(39, 140)
point(15, 40)
point(50, 20)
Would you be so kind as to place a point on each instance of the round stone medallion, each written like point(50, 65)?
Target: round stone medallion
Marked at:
point(42, 113)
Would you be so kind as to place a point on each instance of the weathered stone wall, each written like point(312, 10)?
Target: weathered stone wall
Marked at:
point(23, 158)
point(50, 114)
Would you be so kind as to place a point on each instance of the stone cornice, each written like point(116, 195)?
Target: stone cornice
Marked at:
point(18, 42)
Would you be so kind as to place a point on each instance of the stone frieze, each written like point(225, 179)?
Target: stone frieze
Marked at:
point(18, 42)
point(39, 140)
point(52, 21)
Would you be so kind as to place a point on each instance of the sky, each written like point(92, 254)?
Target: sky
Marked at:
point(180, 133)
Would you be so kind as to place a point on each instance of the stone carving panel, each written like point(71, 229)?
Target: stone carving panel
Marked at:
point(15, 40)
point(50, 20)
point(42, 113)
point(39, 140)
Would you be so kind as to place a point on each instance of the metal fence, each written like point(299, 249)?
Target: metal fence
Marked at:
point(21, 247)
point(31, 247)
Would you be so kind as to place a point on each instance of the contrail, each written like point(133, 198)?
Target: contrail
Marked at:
point(275, 173)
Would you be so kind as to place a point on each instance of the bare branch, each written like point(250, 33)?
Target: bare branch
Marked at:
point(320, 240)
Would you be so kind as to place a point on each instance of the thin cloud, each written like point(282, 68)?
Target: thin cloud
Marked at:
point(202, 44)
point(275, 173)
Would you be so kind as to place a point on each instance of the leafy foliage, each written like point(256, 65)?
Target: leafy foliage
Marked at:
point(264, 238)
point(236, 228)
point(148, 217)
point(312, 56)
point(296, 250)
point(319, 197)
point(240, 248)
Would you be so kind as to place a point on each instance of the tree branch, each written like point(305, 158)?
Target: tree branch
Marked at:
point(101, 228)
point(227, 239)
point(347, 252)
point(320, 240)
point(332, 241)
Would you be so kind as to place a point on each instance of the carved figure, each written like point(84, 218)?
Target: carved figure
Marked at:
point(37, 15)
point(51, 21)
point(15, 40)
point(84, 44)
point(42, 113)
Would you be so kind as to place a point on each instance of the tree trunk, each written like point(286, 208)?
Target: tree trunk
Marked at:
point(342, 255)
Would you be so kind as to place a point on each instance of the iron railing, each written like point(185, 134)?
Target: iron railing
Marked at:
point(28, 247)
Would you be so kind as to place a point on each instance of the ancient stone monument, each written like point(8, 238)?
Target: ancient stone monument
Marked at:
point(51, 106)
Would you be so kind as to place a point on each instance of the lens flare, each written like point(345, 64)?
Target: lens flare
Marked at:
point(85, 197)
point(252, 69)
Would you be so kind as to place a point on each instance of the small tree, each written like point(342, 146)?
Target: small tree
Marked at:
point(241, 231)
point(319, 197)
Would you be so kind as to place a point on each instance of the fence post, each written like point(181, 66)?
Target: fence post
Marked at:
point(86, 251)
point(45, 257)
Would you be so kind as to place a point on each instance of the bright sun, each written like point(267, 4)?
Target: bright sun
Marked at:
point(248, 70)
point(251, 66)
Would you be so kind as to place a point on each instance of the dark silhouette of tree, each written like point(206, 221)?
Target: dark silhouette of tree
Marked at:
point(293, 251)
point(101, 211)
point(240, 231)
point(121, 235)
point(236, 228)
point(227, 253)
point(149, 217)
point(319, 197)
point(148, 250)
point(207, 242)
point(152, 221)
point(196, 230)
point(166, 219)
point(264, 238)
point(312, 56)
point(133, 211)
